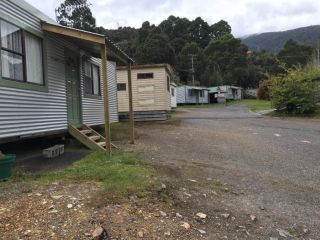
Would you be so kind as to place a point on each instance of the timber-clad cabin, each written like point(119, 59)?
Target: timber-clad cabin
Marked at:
point(150, 89)
point(54, 77)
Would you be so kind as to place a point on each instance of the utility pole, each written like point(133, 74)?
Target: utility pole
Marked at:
point(318, 53)
point(192, 66)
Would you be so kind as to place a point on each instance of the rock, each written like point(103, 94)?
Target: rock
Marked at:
point(273, 238)
point(186, 225)
point(38, 194)
point(167, 234)
point(202, 231)
point(163, 214)
point(178, 215)
point(100, 234)
point(140, 233)
point(225, 215)
point(201, 215)
point(51, 207)
point(192, 180)
point(163, 186)
point(56, 197)
point(284, 233)
point(253, 217)
point(53, 211)
point(26, 233)
point(69, 206)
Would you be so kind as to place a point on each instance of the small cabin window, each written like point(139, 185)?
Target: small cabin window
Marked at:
point(121, 87)
point(91, 79)
point(201, 93)
point(172, 92)
point(145, 75)
point(168, 83)
point(21, 55)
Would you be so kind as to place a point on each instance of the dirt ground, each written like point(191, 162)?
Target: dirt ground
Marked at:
point(252, 177)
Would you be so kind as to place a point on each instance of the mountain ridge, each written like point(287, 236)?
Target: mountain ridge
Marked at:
point(274, 41)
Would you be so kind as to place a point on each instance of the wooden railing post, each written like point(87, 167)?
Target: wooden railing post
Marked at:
point(131, 116)
point(105, 97)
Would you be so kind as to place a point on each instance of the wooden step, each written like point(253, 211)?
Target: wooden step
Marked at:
point(101, 144)
point(95, 137)
point(86, 132)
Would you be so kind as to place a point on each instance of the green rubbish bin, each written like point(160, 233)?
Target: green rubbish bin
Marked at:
point(6, 165)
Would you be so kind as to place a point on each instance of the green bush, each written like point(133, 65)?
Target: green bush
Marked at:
point(297, 92)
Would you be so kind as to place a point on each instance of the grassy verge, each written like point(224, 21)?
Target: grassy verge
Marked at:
point(255, 105)
point(121, 174)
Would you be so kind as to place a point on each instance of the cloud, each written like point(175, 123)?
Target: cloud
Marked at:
point(244, 16)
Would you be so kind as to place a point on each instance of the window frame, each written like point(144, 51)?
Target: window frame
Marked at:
point(119, 89)
point(144, 75)
point(85, 92)
point(24, 83)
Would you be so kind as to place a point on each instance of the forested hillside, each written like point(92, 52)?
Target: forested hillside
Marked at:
point(274, 41)
point(208, 53)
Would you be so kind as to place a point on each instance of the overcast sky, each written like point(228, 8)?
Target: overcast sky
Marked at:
point(244, 16)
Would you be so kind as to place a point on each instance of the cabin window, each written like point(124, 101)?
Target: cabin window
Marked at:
point(145, 75)
point(21, 55)
point(121, 87)
point(201, 93)
point(168, 83)
point(91, 79)
point(172, 92)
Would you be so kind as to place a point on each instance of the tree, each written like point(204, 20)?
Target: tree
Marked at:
point(297, 92)
point(294, 54)
point(184, 63)
point(199, 32)
point(220, 29)
point(227, 58)
point(155, 49)
point(76, 14)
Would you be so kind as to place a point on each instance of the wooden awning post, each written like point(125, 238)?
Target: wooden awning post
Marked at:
point(131, 116)
point(106, 97)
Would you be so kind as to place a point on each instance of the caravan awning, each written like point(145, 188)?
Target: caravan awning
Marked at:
point(89, 41)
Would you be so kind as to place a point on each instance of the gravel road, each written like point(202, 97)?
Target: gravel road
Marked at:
point(256, 177)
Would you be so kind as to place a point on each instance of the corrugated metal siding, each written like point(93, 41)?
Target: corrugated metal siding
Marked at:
point(20, 14)
point(92, 109)
point(25, 112)
point(181, 95)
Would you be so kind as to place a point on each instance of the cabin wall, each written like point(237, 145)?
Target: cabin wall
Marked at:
point(27, 113)
point(148, 94)
point(181, 95)
point(93, 109)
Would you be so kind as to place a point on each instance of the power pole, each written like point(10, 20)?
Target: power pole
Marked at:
point(318, 53)
point(192, 67)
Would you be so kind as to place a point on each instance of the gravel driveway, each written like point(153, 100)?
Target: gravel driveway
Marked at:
point(255, 177)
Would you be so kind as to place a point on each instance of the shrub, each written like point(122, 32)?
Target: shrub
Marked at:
point(263, 90)
point(297, 92)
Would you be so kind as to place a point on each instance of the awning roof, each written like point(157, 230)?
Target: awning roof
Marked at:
point(89, 41)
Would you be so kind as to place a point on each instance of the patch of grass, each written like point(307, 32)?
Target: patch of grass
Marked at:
point(121, 174)
point(255, 105)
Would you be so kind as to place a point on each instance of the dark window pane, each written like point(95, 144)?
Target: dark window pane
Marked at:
point(121, 87)
point(145, 75)
point(11, 37)
point(11, 65)
point(88, 85)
